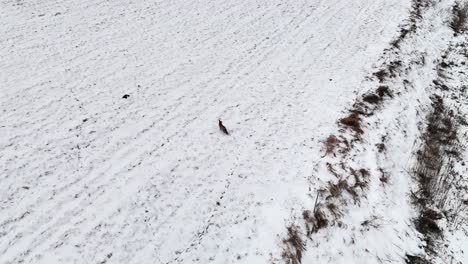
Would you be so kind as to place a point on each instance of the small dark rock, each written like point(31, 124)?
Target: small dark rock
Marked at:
point(126, 96)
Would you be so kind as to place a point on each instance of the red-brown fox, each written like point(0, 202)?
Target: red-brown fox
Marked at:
point(222, 127)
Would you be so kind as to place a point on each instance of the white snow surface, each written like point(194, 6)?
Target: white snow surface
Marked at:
point(87, 176)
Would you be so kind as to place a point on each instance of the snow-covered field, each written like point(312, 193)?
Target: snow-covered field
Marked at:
point(88, 176)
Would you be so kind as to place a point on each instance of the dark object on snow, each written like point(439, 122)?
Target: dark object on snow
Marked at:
point(222, 127)
point(126, 96)
point(410, 259)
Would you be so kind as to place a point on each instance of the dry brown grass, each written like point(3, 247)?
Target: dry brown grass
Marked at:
point(381, 75)
point(314, 220)
point(332, 170)
point(460, 18)
point(380, 147)
point(353, 121)
point(330, 144)
point(372, 99)
point(384, 91)
point(334, 210)
point(294, 246)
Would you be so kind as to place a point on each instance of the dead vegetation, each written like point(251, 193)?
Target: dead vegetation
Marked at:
point(361, 178)
point(381, 75)
point(353, 186)
point(383, 177)
point(372, 99)
point(410, 259)
point(294, 246)
point(352, 121)
point(440, 139)
point(391, 69)
point(331, 143)
point(314, 221)
point(459, 21)
point(378, 96)
point(380, 147)
point(351, 183)
point(335, 190)
point(438, 183)
point(440, 135)
point(384, 91)
point(334, 145)
point(415, 16)
point(373, 222)
point(334, 210)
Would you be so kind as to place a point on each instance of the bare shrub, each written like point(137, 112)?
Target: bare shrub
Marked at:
point(410, 259)
point(361, 178)
point(314, 221)
point(380, 147)
point(381, 75)
point(333, 208)
point(460, 18)
point(336, 190)
point(372, 99)
point(440, 137)
point(384, 91)
point(415, 15)
point(378, 96)
point(372, 222)
point(353, 121)
point(332, 170)
point(330, 144)
point(434, 170)
point(294, 246)
point(383, 177)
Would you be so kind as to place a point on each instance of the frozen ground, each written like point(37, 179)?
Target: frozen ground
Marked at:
point(87, 176)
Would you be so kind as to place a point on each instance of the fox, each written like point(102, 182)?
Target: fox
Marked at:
point(222, 127)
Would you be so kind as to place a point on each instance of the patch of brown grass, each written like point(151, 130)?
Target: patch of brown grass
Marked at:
point(294, 246)
point(314, 221)
point(460, 18)
point(332, 170)
point(381, 75)
point(372, 99)
point(384, 91)
point(330, 144)
point(353, 121)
